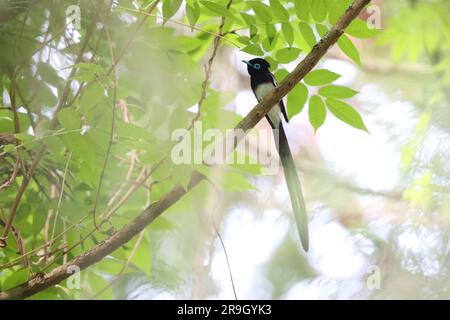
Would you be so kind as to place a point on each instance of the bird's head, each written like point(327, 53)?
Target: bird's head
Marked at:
point(257, 66)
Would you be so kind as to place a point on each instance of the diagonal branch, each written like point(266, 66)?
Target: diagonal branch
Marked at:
point(153, 211)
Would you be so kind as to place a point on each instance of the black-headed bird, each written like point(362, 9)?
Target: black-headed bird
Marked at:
point(262, 81)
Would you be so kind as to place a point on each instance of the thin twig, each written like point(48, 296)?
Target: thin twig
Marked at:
point(222, 36)
point(208, 68)
point(111, 133)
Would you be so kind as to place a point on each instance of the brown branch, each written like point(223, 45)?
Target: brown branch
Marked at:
point(37, 284)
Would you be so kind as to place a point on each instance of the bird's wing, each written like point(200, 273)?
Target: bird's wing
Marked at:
point(281, 104)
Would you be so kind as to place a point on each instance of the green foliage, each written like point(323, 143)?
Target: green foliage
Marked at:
point(319, 10)
point(192, 12)
point(170, 7)
point(279, 11)
point(320, 77)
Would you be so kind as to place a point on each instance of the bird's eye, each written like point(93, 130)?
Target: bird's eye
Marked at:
point(257, 66)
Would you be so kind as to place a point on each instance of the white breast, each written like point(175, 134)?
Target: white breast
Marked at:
point(274, 114)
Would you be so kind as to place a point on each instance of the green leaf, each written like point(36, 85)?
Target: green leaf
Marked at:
point(307, 34)
point(69, 118)
point(261, 10)
point(271, 32)
point(7, 122)
point(253, 49)
point(24, 137)
point(302, 9)
point(249, 19)
point(170, 7)
point(243, 40)
point(347, 46)
point(9, 148)
point(337, 10)
point(346, 113)
point(217, 8)
point(182, 174)
point(45, 96)
point(287, 55)
point(319, 10)
point(192, 13)
point(48, 74)
point(279, 11)
point(162, 223)
point(317, 112)
point(338, 92)
point(253, 32)
point(320, 77)
point(296, 99)
point(288, 33)
point(359, 29)
point(269, 44)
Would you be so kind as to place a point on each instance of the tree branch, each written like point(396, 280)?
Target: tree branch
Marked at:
point(39, 283)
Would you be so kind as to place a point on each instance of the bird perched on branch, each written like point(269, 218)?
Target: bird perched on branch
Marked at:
point(262, 81)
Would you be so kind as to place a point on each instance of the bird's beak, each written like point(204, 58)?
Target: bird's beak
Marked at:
point(248, 63)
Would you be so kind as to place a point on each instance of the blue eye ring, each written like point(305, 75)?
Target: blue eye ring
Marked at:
point(257, 66)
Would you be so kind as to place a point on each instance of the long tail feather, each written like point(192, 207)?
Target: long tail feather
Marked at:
point(294, 187)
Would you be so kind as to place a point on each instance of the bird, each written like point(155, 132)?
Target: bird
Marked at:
point(262, 81)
